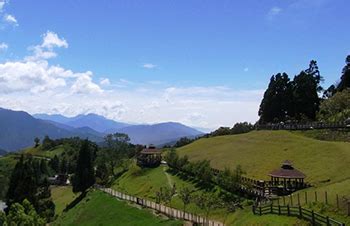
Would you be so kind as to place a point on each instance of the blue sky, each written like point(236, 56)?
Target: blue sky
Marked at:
point(137, 52)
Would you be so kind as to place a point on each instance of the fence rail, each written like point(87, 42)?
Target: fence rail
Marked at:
point(302, 213)
point(340, 202)
point(168, 211)
point(306, 126)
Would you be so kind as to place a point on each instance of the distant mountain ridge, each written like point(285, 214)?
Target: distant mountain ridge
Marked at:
point(94, 121)
point(160, 133)
point(18, 130)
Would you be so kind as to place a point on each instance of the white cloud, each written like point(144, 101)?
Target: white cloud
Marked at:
point(274, 11)
point(84, 84)
point(105, 82)
point(149, 66)
point(10, 19)
point(51, 40)
point(3, 46)
point(45, 50)
point(2, 4)
point(35, 85)
point(246, 69)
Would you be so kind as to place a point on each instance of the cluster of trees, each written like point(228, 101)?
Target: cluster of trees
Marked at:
point(29, 198)
point(29, 182)
point(298, 99)
point(21, 214)
point(228, 180)
point(238, 128)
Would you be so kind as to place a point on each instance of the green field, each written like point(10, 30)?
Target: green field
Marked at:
point(259, 152)
point(48, 153)
point(98, 208)
point(62, 196)
point(144, 183)
point(325, 163)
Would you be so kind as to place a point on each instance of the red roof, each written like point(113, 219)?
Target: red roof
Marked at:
point(287, 171)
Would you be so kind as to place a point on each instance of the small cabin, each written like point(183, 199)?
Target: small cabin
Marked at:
point(149, 157)
point(286, 179)
point(60, 179)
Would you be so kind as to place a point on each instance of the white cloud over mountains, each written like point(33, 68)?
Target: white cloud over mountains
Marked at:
point(35, 85)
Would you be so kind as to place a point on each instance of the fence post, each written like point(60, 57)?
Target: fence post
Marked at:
point(271, 208)
point(328, 223)
point(279, 210)
point(253, 209)
point(298, 199)
point(288, 210)
point(315, 196)
point(306, 197)
point(300, 212)
point(260, 210)
point(313, 217)
point(337, 197)
point(326, 197)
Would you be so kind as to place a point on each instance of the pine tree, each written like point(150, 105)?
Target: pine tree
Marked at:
point(84, 176)
point(345, 78)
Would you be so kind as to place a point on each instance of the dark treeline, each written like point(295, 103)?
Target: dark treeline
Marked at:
point(299, 99)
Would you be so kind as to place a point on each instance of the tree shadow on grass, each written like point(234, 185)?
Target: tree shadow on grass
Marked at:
point(197, 183)
point(75, 201)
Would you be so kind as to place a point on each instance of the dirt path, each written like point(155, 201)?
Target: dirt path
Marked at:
point(170, 182)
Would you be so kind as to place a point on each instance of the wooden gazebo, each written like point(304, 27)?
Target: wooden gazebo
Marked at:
point(149, 157)
point(287, 179)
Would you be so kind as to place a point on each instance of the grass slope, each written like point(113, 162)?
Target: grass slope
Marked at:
point(101, 209)
point(144, 183)
point(259, 152)
point(62, 196)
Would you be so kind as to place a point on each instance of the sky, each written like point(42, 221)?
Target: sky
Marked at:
point(202, 63)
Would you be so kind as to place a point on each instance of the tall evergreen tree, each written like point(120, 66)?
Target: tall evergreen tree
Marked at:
point(84, 176)
point(276, 104)
point(345, 78)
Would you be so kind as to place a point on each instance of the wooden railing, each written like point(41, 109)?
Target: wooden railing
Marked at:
point(168, 211)
point(305, 126)
point(308, 215)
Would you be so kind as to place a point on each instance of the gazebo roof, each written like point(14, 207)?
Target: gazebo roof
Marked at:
point(151, 150)
point(287, 171)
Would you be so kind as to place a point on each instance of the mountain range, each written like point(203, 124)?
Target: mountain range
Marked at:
point(18, 129)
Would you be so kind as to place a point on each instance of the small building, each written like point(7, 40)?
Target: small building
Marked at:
point(287, 179)
point(60, 179)
point(149, 157)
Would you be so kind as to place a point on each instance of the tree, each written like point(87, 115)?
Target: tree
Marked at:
point(336, 108)
point(345, 78)
point(29, 182)
point(37, 142)
point(84, 175)
point(55, 164)
point(305, 96)
point(276, 105)
point(115, 151)
point(48, 143)
point(64, 166)
point(242, 127)
point(183, 141)
point(186, 196)
point(22, 214)
point(207, 202)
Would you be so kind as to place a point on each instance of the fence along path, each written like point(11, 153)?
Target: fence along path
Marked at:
point(168, 211)
point(311, 216)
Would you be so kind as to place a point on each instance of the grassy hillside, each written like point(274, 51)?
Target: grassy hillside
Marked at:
point(62, 196)
point(101, 209)
point(259, 152)
point(145, 182)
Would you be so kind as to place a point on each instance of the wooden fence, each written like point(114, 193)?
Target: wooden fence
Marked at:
point(302, 213)
point(340, 202)
point(306, 126)
point(168, 211)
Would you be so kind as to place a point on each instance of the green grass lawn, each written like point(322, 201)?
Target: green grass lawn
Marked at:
point(47, 153)
point(98, 208)
point(259, 152)
point(62, 196)
point(144, 183)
